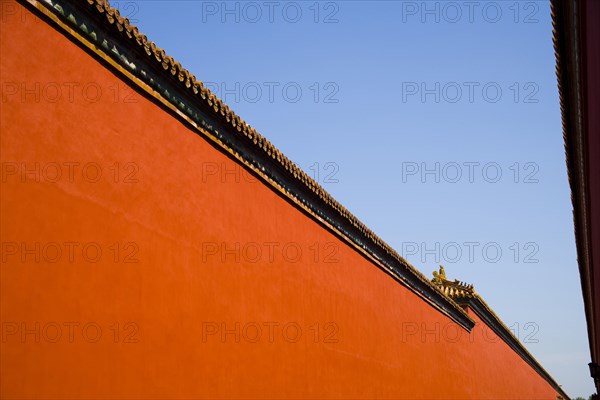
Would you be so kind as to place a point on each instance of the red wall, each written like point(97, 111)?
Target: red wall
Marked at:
point(366, 346)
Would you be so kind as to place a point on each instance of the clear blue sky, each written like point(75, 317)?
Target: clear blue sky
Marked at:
point(392, 88)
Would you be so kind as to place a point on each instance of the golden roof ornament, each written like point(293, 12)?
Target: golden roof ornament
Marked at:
point(439, 276)
point(453, 289)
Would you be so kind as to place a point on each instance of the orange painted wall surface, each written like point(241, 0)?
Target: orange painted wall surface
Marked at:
point(161, 211)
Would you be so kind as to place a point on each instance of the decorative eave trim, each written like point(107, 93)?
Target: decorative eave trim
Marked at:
point(567, 49)
point(101, 30)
